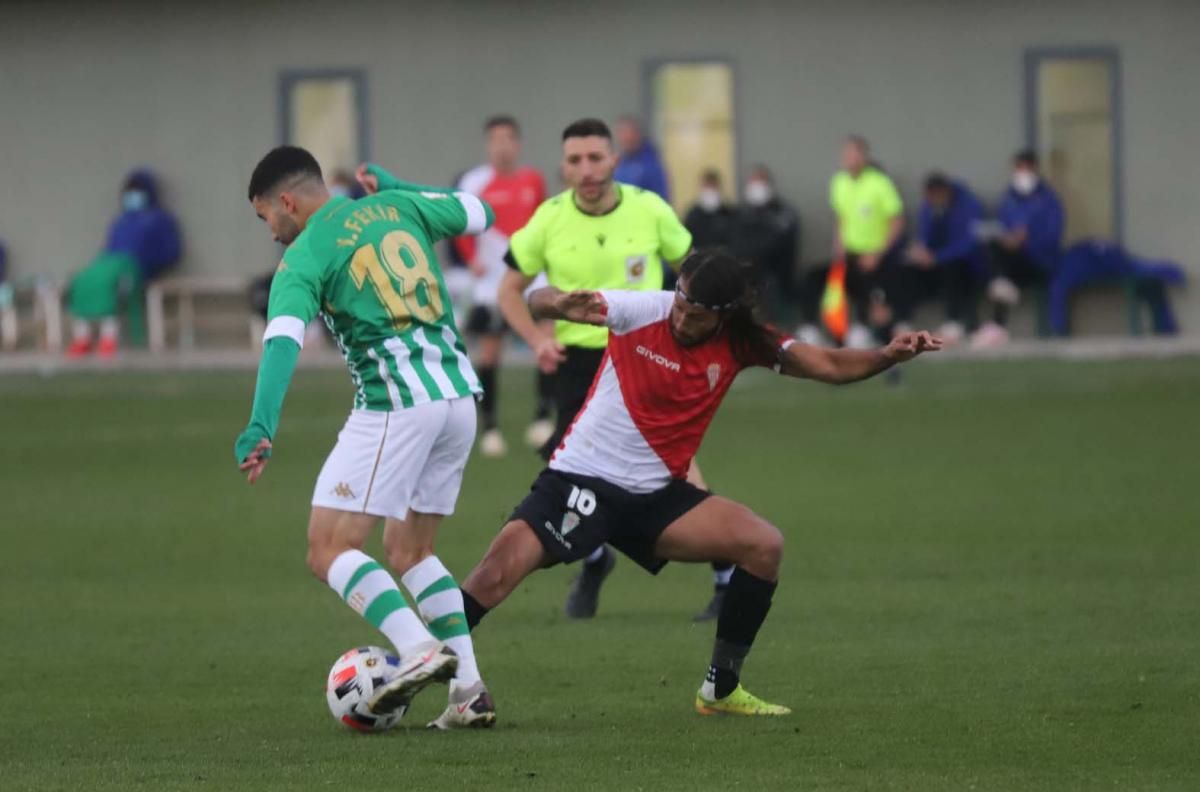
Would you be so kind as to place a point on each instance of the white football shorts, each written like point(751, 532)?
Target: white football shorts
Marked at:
point(386, 463)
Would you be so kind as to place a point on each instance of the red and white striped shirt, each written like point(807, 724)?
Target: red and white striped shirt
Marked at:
point(514, 197)
point(652, 399)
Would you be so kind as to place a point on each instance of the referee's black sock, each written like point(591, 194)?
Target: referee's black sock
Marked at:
point(472, 609)
point(487, 405)
point(747, 601)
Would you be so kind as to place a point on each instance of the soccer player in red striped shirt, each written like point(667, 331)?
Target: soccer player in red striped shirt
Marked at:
point(514, 191)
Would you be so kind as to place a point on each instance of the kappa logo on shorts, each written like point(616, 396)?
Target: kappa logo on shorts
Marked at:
point(342, 490)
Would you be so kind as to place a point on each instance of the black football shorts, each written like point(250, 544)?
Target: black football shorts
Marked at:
point(572, 515)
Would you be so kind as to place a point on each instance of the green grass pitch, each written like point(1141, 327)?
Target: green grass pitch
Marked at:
point(991, 582)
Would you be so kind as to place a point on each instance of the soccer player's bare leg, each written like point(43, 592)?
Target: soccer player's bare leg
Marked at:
point(721, 529)
point(512, 556)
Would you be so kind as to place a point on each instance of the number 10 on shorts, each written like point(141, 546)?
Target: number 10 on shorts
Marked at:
point(582, 501)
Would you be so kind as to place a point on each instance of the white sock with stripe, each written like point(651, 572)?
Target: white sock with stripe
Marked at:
point(440, 602)
point(369, 589)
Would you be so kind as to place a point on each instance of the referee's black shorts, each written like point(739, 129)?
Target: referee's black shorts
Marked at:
point(572, 382)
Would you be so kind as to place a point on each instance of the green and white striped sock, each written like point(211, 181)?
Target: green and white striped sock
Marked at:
point(369, 589)
point(440, 602)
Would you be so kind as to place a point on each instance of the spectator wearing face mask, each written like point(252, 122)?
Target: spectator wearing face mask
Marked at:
point(1028, 249)
point(143, 242)
point(768, 235)
point(711, 220)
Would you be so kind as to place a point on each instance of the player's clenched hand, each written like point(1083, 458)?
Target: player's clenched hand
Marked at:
point(549, 354)
point(907, 346)
point(256, 462)
point(368, 180)
point(584, 307)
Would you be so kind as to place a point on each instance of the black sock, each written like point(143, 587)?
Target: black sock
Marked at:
point(747, 601)
point(1000, 314)
point(487, 405)
point(545, 396)
point(472, 609)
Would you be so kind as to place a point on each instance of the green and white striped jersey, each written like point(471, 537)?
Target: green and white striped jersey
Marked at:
point(369, 268)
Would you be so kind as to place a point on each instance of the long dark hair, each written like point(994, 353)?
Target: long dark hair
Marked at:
point(717, 280)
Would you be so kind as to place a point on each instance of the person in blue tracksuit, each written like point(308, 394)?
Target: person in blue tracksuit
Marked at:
point(1028, 249)
point(143, 242)
point(640, 164)
point(946, 259)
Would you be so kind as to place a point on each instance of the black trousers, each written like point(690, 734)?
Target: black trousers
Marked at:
point(953, 282)
point(1018, 268)
point(572, 382)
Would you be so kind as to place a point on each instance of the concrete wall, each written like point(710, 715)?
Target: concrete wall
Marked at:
point(88, 90)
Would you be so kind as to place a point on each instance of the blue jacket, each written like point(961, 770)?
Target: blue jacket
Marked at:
point(950, 236)
point(1093, 261)
point(150, 235)
point(644, 169)
point(1041, 214)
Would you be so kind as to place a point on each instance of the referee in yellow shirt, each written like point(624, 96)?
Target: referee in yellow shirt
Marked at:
point(598, 234)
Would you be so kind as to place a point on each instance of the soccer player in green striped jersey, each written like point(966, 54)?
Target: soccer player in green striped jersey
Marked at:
point(369, 269)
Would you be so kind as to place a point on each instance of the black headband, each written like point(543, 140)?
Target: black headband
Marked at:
point(719, 308)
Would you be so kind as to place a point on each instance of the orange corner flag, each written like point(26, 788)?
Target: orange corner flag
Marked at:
point(835, 313)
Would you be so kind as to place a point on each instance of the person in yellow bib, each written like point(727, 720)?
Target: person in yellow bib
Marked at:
point(868, 229)
point(597, 234)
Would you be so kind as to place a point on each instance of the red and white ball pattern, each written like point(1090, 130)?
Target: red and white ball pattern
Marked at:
point(353, 679)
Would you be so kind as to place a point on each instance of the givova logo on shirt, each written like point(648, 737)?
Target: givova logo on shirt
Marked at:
point(665, 362)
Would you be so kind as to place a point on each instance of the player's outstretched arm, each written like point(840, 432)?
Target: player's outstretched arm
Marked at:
point(581, 307)
point(253, 446)
point(841, 366)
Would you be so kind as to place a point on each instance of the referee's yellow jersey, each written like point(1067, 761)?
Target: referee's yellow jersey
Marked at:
point(622, 249)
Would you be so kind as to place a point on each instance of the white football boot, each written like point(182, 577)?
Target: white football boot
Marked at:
point(419, 667)
point(469, 708)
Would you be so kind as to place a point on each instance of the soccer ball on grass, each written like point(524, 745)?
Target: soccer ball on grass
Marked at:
point(354, 678)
